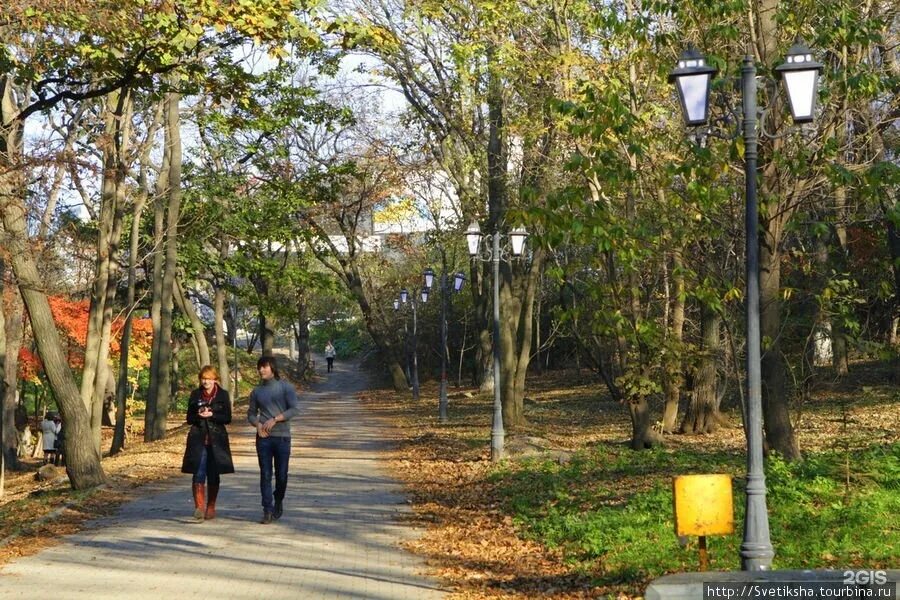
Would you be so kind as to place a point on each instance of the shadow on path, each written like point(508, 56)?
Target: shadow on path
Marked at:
point(338, 537)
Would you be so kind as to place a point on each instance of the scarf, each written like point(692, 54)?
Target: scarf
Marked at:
point(207, 399)
point(212, 394)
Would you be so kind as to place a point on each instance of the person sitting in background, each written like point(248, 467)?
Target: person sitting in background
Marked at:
point(59, 458)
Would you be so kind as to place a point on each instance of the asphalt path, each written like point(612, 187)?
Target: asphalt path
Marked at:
point(339, 537)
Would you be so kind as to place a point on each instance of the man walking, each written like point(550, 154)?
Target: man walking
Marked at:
point(272, 404)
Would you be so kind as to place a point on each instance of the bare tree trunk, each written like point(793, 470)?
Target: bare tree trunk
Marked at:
point(302, 334)
point(198, 329)
point(159, 238)
point(83, 461)
point(117, 120)
point(5, 431)
point(779, 431)
point(673, 378)
point(482, 293)
point(161, 383)
point(12, 316)
point(118, 442)
point(219, 307)
point(60, 170)
point(484, 362)
point(643, 435)
point(515, 403)
point(702, 414)
point(839, 350)
point(82, 458)
point(266, 335)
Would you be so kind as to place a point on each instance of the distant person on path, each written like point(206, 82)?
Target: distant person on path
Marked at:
point(49, 429)
point(329, 355)
point(272, 404)
point(208, 451)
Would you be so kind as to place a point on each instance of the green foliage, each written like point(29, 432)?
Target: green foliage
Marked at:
point(75, 49)
point(349, 336)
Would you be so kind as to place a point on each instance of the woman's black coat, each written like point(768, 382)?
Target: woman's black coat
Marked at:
point(214, 426)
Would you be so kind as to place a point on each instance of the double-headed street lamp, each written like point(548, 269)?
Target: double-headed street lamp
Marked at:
point(458, 281)
point(410, 300)
point(800, 74)
point(517, 243)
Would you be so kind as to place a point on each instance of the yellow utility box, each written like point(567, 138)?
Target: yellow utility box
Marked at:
point(703, 505)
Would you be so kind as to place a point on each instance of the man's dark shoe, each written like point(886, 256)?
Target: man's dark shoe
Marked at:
point(279, 510)
point(266, 518)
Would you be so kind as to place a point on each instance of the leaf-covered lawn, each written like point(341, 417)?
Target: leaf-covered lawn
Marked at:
point(601, 524)
point(35, 514)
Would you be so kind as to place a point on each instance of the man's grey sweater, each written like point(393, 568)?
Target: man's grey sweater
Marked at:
point(269, 399)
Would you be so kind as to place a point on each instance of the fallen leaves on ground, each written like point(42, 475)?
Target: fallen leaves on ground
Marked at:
point(35, 515)
point(475, 549)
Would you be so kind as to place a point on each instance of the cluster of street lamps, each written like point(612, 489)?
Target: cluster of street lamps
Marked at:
point(407, 299)
point(692, 77)
point(477, 251)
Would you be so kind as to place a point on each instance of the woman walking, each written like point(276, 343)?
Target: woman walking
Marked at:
point(208, 452)
point(329, 355)
point(272, 404)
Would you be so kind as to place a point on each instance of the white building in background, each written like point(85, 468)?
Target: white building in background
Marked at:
point(428, 204)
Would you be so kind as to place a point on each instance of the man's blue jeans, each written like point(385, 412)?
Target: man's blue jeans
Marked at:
point(269, 450)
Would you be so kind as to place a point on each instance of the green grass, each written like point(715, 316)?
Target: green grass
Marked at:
point(609, 511)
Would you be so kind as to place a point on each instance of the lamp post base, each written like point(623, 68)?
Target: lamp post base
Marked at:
point(497, 446)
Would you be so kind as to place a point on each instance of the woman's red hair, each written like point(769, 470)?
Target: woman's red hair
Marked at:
point(208, 372)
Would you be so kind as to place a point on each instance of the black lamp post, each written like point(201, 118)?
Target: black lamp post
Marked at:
point(410, 299)
point(692, 78)
point(406, 370)
point(517, 242)
point(458, 280)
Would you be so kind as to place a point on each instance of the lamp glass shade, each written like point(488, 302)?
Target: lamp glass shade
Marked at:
point(429, 277)
point(458, 281)
point(693, 93)
point(801, 91)
point(517, 240)
point(424, 294)
point(404, 295)
point(396, 304)
point(473, 238)
point(800, 73)
point(692, 79)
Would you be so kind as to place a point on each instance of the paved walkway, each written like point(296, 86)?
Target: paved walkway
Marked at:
point(338, 537)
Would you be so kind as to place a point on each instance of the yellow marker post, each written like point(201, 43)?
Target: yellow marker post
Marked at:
point(704, 505)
